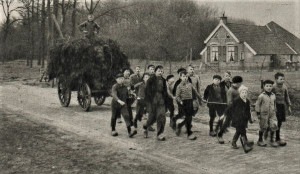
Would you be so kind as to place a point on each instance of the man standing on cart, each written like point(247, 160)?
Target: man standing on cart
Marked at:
point(90, 28)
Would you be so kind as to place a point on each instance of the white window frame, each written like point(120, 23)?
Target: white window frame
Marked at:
point(214, 53)
point(230, 52)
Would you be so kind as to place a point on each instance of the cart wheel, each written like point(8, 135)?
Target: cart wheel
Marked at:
point(84, 96)
point(64, 94)
point(99, 100)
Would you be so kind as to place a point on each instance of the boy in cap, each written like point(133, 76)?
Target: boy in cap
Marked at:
point(119, 106)
point(231, 95)
point(240, 111)
point(141, 104)
point(184, 96)
point(156, 98)
point(215, 95)
point(265, 108)
point(283, 102)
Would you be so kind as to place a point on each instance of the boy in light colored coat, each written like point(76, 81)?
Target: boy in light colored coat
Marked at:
point(265, 108)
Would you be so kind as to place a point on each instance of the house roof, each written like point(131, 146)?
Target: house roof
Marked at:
point(269, 39)
point(285, 36)
point(260, 38)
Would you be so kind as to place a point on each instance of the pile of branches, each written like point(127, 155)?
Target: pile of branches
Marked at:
point(95, 61)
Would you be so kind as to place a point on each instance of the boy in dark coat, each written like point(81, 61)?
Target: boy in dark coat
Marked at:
point(141, 104)
point(283, 103)
point(119, 106)
point(184, 96)
point(240, 111)
point(89, 27)
point(151, 71)
point(136, 77)
point(231, 94)
point(215, 95)
point(227, 80)
point(156, 98)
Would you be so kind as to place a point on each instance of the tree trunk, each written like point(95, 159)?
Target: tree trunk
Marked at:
point(50, 28)
point(6, 27)
point(74, 19)
point(63, 13)
point(55, 12)
point(38, 33)
point(32, 34)
point(43, 38)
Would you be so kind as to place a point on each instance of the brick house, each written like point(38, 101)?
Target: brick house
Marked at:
point(240, 46)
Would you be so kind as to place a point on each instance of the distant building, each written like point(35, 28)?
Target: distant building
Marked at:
point(241, 46)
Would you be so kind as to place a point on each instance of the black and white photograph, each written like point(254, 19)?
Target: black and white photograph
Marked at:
point(149, 86)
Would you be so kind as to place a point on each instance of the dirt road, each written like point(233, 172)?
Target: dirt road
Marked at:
point(40, 108)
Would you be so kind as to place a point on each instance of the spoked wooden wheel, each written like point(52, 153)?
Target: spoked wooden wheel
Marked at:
point(64, 94)
point(84, 96)
point(99, 100)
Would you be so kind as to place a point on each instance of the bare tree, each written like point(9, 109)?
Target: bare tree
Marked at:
point(43, 34)
point(74, 18)
point(91, 7)
point(9, 21)
point(64, 9)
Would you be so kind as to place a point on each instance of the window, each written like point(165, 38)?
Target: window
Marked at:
point(242, 56)
point(214, 54)
point(230, 53)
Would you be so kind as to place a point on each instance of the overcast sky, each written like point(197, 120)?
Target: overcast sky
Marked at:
point(284, 12)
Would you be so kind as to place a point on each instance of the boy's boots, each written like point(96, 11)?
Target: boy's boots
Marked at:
point(234, 140)
point(249, 142)
point(131, 133)
point(280, 141)
point(219, 125)
point(272, 142)
point(260, 141)
point(246, 147)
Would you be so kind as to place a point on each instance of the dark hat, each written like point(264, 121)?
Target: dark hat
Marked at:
point(169, 77)
point(180, 70)
point(217, 77)
point(268, 82)
point(150, 66)
point(119, 75)
point(237, 79)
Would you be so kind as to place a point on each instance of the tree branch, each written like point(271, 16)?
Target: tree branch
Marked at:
point(112, 9)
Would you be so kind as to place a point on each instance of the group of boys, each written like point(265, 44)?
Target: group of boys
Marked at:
point(226, 99)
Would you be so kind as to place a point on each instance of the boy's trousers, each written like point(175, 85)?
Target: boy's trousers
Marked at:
point(156, 113)
point(171, 108)
point(118, 110)
point(215, 109)
point(188, 110)
point(140, 111)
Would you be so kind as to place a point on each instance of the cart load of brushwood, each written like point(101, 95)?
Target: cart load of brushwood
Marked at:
point(87, 66)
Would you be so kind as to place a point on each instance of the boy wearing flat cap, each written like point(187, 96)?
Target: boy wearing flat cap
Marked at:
point(215, 95)
point(265, 108)
point(119, 106)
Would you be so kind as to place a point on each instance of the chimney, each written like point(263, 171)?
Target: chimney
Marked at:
point(223, 18)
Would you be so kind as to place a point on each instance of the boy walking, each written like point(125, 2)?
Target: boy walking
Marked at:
point(215, 95)
point(266, 112)
point(141, 104)
point(283, 102)
point(195, 80)
point(240, 110)
point(119, 106)
point(231, 94)
point(184, 96)
point(170, 104)
point(156, 98)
